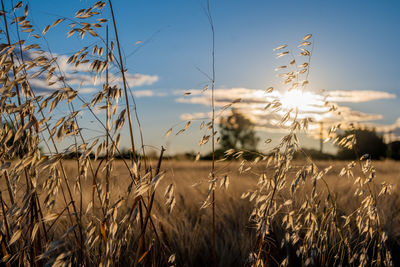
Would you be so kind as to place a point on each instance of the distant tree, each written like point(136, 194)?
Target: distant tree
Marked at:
point(237, 132)
point(367, 142)
point(394, 148)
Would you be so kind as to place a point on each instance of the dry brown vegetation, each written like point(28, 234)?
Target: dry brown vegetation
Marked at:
point(267, 211)
point(235, 235)
point(183, 231)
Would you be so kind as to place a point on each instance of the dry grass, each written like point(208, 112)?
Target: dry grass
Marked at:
point(267, 212)
point(184, 230)
point(235, 236)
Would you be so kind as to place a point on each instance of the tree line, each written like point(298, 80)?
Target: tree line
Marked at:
point(237, 132)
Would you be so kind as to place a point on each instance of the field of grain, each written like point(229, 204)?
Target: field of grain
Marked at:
point(235, 237)
point(187, 228)
point(185, 232)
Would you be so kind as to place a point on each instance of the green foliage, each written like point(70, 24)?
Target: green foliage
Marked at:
point(366, 142)
point(237, 132)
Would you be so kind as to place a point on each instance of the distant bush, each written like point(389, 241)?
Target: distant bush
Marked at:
point(394, 150)
point(366, 142)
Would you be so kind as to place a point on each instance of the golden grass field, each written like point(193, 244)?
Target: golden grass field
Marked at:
point(188, 227)
point(186, 230)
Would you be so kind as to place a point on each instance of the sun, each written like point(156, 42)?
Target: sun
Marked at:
point(297, 99)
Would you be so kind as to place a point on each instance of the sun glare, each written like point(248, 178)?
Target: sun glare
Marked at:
point(297, 99)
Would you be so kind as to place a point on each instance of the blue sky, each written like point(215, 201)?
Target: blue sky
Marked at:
point(355, 48)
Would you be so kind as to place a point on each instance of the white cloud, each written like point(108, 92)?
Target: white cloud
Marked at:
point(143, 93)
point(310, 105)
point(80, 78)
point(357, 96)
point(195, 116)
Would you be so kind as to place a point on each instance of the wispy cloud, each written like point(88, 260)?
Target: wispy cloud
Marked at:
point(358, 96)
point(313, 105)
point(195, 116)
point(148, 93)
point(80, 78)
point(143, 93)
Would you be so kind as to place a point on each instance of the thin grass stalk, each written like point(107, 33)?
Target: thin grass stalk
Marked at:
point(124, 84)
point(148, 211)
point(140, 128)
point(32, 247)
point(108, 171)
point(150, 206)
point(10, 192)
point(4, 216)
point(210, 20)
point(78, 163)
